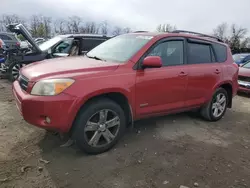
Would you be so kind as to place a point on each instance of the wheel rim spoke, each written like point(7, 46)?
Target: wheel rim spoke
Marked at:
point(113, 122)
point(108, 136)
point(216, 112)
point(222, 100)
point(91, 126)
point(95, 139)
point(103, 116)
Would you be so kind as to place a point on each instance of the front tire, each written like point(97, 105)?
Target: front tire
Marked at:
point(215, 109)
point(13, 70)
point(99, 126)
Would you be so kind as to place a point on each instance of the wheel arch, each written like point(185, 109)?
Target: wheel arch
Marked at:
point(119, 96)
point(227, 85)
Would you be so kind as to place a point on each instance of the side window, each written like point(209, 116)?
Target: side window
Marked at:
point(199, 53)
point(171, 52)
point(5, 37)
point(64, 46)
point(89, 44)
point(221, 52)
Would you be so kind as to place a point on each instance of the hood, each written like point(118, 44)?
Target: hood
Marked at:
point(244, 72)
point(65, 67)
point(20, 29)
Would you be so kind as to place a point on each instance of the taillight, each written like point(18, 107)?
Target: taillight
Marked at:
point(18, 44)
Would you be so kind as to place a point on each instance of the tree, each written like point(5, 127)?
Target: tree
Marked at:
point(91, 27)
point(221, 31)
point(10, 19)
point(126, 30)
point(234, 35)
point(74, 24)
point(59, 26)
point(117, 31)
point(165, 28)
point(104, 28)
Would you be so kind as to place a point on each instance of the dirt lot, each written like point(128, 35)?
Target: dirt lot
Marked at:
point(162, 152)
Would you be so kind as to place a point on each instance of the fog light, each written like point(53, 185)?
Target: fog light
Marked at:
point(47, 119)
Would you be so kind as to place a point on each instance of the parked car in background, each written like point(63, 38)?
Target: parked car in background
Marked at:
point(58, 46)
point(10, 39)
point(241, 58)
point(129, 77)
point(244, 77)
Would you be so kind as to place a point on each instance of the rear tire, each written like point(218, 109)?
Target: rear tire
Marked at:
point(93, 131)
point(218, 103)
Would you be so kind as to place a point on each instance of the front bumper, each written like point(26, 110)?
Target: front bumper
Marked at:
point(244, 86)
point(35, 109)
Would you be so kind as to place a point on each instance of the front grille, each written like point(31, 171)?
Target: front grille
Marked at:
point(23, 82)
point(244, 78)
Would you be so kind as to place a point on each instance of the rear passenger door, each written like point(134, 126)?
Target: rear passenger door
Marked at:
point(204, 72)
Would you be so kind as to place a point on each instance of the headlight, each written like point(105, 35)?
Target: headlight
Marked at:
point(51, 86)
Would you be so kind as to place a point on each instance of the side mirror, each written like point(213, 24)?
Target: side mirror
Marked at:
point(152, 62)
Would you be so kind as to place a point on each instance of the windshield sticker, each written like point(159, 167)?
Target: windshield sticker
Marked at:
point(144, 37)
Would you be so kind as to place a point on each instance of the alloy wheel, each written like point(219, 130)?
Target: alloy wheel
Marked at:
point(219, 105)
point(102, 128)
point(15, 70)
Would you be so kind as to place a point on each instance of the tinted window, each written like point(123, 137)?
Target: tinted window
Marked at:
point(221, 52)
point(171, 52)
point(5, 37)
point(89, 44)
point(199, 53)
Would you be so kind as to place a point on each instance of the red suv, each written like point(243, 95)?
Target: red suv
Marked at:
point(129, 77)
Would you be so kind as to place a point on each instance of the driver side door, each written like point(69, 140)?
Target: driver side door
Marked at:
point(161, 90)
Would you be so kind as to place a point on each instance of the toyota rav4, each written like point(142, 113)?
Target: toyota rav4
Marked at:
point(129, 77)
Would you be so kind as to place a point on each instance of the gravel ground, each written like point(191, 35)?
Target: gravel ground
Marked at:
point(173, 151)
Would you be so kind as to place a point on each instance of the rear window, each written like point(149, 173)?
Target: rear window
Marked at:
point(220, 52)
point(89, 44)
point(199, 53)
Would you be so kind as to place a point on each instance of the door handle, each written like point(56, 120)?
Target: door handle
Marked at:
point(182, 73)
point(217, 71)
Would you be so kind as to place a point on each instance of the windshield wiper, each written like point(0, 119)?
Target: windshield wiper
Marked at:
point(95, 57)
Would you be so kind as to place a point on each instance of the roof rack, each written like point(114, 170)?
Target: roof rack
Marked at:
point(199, 34)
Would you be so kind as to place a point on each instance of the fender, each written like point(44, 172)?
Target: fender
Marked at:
point(79, 103)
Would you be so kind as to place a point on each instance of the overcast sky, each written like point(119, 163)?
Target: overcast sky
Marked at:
point(197, 15)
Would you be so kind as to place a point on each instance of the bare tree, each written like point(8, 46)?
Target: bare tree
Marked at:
point(221, 31)
point(10, 19)
point(104, 28)
point(34, 25)
point(127, 30)
point(165, 28)
point(74, 24)
point(59, 26)
point(91, 27)
point(117, 31)
point(47, 26)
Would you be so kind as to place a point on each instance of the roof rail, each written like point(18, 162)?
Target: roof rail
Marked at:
point(199, 34)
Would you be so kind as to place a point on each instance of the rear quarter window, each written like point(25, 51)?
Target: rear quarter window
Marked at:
point(220, 52)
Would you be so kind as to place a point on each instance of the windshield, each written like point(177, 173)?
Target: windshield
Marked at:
point(247, 65)
point(120, 48)
point(51, 42)
point(239, 57)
